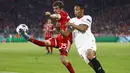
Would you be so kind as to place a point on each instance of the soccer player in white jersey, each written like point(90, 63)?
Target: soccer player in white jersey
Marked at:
point(84, 40)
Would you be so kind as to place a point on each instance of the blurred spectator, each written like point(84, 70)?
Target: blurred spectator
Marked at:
point(109, 16)
point(48, 32)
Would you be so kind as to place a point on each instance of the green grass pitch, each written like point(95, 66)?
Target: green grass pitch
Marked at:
point(29, 58)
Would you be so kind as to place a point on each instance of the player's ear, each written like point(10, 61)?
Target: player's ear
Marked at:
point(82, 10)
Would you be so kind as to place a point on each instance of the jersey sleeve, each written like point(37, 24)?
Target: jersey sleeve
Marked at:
point(87, 20)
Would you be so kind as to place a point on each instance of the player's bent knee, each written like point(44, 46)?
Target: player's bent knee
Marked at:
point(52, 42)
point(64, 60)
point(48, 43)
point(90, 54)
point(90, 57)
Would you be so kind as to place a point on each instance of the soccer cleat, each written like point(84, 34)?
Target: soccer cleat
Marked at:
point(48, 53)
point(24, 34)
point(51, 53)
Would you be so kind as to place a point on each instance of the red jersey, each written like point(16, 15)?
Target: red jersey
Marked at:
point(48, 31)
point(64, 18)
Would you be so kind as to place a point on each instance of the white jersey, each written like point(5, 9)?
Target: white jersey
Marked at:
point(83, 39)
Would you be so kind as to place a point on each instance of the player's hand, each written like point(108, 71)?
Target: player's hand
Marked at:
point(47, 13)
point(68, 24)
point(53, 16)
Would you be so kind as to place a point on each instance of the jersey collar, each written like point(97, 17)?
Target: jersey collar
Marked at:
point(80, 17)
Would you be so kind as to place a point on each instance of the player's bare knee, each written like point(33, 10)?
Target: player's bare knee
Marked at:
point(47, 42)
point(90, 57)
point(90, 54)
point(64, 60)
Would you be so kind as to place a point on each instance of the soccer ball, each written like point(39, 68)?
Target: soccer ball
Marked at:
point(22, 26)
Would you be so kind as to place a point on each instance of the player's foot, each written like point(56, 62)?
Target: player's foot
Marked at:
point(51, 53)
point(24, 34)
point(47, 53)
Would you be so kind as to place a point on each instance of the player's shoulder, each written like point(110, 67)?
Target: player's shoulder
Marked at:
point(63, 12)
point(72, 19)
point(87, 18)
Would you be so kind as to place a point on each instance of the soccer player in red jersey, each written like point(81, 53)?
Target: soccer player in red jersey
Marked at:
point(48, 30)
point(63, 43)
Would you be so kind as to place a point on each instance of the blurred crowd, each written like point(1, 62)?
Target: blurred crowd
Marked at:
point(108, 19)
point(112, 20)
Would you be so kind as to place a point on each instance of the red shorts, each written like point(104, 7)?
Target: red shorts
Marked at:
point(63, 45)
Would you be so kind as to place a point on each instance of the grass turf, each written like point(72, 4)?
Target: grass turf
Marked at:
point(29, 58)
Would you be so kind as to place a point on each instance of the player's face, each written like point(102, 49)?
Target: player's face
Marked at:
point(49, 21)
point(56, 9)
point(78, 11)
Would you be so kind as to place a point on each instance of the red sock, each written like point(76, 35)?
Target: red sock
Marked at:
point(37, 42)
point(70, 68)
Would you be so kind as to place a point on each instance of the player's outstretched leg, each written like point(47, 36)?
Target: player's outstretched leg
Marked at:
point(95, 64)
point(26, 36)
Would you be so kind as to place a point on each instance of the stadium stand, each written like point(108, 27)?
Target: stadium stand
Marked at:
point(110, 18)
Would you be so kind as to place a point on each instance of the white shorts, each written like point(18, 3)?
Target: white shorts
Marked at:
point(83, 51)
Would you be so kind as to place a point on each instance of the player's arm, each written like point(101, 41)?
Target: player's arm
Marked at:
point(53, 16)
point(66, 32)
point(81, 27)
